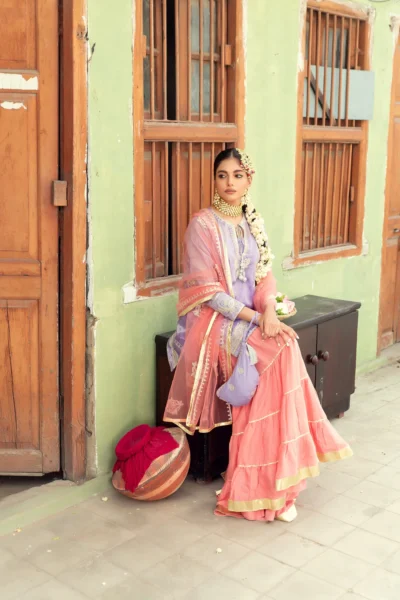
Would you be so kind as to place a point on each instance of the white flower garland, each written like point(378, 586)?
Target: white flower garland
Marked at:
point(257, 229)
point(256, 222)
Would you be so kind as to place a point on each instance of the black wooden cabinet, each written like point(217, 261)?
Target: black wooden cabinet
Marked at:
point(328, 340)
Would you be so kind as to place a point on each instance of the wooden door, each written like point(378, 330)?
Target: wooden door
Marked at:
point(389, 330)
point(336, 351)
point(29, 411)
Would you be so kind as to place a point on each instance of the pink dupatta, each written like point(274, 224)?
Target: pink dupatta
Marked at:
point(204, 364)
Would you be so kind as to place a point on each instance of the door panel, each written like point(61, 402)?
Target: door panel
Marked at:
point(18, 177)
point(19, 382)
point(18, 39)
point(389, 322)
point(29, 412)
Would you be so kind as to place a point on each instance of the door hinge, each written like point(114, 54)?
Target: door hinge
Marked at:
point(352, 194)
point(59, 193)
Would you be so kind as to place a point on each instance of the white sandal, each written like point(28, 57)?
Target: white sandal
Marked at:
point(289, 515)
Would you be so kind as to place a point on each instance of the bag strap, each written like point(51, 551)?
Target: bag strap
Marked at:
point(250, 326)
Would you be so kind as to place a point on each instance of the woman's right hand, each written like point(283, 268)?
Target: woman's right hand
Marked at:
point(271, 327)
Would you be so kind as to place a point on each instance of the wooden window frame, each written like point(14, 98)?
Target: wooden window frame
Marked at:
point(159, 131)
point(331, 134)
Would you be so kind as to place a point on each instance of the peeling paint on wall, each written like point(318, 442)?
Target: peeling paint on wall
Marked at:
point(91, 446)
point(15, 81)
point(395, 27)
point(12, 105)
point(371, 21)
point(302, 17)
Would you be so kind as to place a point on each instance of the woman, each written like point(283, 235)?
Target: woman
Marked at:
point(279, 437)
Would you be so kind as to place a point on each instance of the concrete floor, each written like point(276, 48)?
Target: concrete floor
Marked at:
point(10, 485)
point(344, 545)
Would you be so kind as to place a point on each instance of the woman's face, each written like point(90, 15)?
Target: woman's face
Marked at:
point(231, 181)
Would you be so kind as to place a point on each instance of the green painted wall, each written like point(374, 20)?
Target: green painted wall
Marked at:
point(124, 347)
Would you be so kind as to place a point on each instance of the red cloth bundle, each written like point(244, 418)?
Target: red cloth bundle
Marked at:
point(137, 449)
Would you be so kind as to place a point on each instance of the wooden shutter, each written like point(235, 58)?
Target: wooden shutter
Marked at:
point(191, 107)
point(155, 208)
point(333, 129)
point(192, 177)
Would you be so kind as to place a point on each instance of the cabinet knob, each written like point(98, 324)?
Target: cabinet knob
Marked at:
point(323, 355)
point(314, 360)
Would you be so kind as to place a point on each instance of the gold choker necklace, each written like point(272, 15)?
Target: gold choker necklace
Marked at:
point(225, 208)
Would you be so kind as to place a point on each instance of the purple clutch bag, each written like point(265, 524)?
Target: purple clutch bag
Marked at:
point(242, 384)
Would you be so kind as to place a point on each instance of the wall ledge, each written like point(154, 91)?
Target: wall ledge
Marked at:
point(132, 293)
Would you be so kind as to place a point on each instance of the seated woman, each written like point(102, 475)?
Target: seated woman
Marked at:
point(281, 435)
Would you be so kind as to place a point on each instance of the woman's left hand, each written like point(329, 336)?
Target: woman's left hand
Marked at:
point(288, 333)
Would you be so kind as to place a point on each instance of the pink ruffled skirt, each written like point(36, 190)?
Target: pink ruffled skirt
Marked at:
point(278, 439)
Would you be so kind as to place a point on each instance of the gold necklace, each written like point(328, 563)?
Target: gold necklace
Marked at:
point(225, 208)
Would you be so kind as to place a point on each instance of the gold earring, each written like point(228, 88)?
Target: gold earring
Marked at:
point(246, 197)
point(217, 197)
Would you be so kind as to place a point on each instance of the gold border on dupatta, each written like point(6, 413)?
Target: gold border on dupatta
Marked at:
point(228, 277)
point(180, 423)
point(199, 368)
point(195, 304)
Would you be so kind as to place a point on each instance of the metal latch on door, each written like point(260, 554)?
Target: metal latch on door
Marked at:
point(59, 193)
